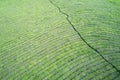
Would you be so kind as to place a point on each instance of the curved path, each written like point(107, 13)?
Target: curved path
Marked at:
point(59, 40)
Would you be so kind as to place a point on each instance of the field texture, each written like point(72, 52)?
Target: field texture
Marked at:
point(59, 39)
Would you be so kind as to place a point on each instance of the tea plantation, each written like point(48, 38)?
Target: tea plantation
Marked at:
point(59, 39)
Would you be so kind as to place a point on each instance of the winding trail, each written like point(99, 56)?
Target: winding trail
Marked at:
point(67, 18)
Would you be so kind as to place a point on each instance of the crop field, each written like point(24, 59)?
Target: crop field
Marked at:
point(59, 39)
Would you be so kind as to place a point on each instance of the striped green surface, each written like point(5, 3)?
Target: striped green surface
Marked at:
point(59, 40)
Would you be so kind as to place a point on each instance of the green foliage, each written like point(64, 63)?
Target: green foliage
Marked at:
point(38, 43)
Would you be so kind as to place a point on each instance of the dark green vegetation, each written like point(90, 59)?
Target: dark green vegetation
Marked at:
point(59, 40)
